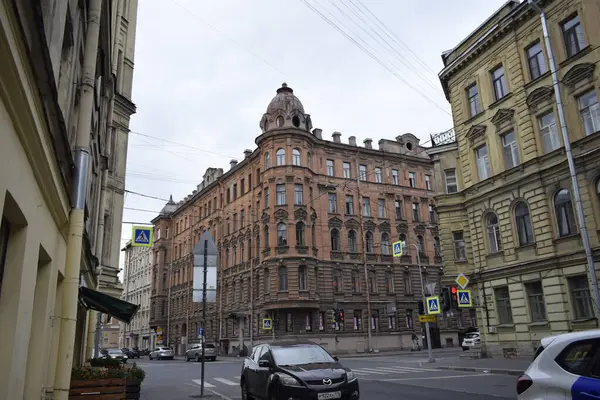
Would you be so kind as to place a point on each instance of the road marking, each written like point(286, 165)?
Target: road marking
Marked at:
point(206, 384)
point(412, 368)
point(369, 371)
point(216, 393)
point(434, 377)
point(226, 381)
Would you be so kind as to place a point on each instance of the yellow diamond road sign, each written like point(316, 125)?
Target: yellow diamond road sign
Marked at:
point(462, 280)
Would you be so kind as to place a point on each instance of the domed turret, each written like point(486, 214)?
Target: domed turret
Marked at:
point(285, 111)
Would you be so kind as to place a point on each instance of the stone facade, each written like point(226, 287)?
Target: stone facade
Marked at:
point(505, 199)
point(287, 223)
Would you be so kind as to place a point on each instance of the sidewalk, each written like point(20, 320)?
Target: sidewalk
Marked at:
point(504, 366)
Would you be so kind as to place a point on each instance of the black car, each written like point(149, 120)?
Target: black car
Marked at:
point(294, 370)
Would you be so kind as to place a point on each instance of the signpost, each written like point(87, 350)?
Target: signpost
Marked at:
point(267, 324)
point(433, 305)
point(397, 248)
point(141, 236)
point(427, 318)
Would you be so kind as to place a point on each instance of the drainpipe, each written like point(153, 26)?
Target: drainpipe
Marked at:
point(68, 315)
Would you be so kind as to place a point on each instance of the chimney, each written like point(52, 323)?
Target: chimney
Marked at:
point(368, 143)
point(336, 137)
point(247, 153)
point(232, 163)
point(318, 133)
point(352, 141)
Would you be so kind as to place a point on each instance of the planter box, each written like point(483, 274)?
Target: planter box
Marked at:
point(98, 389)
point(132, 389)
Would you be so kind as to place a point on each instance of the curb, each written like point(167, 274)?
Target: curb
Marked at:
point(512, 372)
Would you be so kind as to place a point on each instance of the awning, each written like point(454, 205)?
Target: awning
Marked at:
point(116, 308)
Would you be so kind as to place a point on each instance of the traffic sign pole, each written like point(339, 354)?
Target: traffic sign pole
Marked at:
point(427, 333)
point(205, 273)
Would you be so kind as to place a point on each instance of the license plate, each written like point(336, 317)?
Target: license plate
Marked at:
point(329, 395)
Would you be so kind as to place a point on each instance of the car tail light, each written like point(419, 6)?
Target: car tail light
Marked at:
point(524, 382)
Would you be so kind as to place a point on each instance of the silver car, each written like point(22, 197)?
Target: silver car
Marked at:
point(161, 353)
point(195, 352)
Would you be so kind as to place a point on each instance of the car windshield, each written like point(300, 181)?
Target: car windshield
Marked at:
point(471, 335)
point(165, 348)
point(298, 355)
point(114, 351)
point(210, 346)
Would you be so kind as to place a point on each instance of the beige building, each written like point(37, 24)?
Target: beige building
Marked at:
point(299, 235)
point(137, 275)
point(59, 149)
point(506, 203)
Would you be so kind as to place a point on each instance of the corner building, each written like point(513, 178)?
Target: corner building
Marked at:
point(287, 224)
point(507, 207)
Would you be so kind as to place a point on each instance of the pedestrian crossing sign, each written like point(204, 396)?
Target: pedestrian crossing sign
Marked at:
point(464, 298)
point(141, 236)
point(397, 248)
point(433, 305)
point(267, 324)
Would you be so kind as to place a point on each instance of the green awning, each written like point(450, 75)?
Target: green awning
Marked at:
point(116, 308)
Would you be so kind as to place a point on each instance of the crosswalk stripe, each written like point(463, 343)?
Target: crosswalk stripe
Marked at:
point(369, 371)
point(390, 369)
point(415, 369)
point(206, 384)
point(226, 381)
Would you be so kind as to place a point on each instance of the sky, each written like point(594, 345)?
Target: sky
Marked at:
point(205, 71)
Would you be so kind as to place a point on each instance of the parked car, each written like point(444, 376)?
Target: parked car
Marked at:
point(565, 366)
point(296, 370)
point(161, 353)
point(116, 354)
point(471, 339)
point(133, 352)
point(195, 352)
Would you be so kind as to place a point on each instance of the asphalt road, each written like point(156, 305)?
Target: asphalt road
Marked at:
point(380, 378)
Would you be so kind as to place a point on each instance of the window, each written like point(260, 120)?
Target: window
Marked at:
point(298, 194)
point(428, 182)
point(242, 190)
point(565, 218)
point(389, 282)
point(385, 244)
point(503, 304)
point(355, 282)
point(535, 297)
point(381, 208)
point(536, 60)
point(308, 160)
point(510, 150)
point(493, 231)
point(451, 182)
point(415, 212)
point(228, 226)
point(366, 203)
point(483, 163)
point(266, 234)
point(330, 168)
point(235, 222)
point(362, 172)
point(235, 195)
point(242, 252)
point(590, 112)
point(580, 297)
point(332, 201)
point(460, 251)
point(267, 160)
point(406, 283)
point(412, 179)
point(302, 278)
point(549, 132)
point(405, 249)
point(335, 240)
point(349, 205)
point(499, 83)
point(395, 177)
point(300, 241)
point(283, 279)
point(378, 177)
point(4, 237)
point(409, 319)
point(234, 256)
point(523, 224)
point(347, 167)
point(432, 216)
point(280, 157)
point(398, 208)
point(577, 357)
point(372, 282)
point(436, 247)
point(420, 245)
point(474, 100)
point(280, 192)
point(352, 241)
point(573, 36)
point(337, 281)
point(369, 242)
point(296, 157)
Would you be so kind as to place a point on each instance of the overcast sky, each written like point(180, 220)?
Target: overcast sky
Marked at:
point(205, 71)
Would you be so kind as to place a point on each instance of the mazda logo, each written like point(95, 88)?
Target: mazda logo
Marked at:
point(326, 381)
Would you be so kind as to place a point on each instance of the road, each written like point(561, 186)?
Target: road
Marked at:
point(380, 377)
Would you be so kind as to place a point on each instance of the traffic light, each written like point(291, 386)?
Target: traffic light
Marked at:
point(421, 308)
point(454, 299)
point(445, 299)
point(341, 315)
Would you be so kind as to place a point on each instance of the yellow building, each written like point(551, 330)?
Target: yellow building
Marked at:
point(507, 210)
point(58, 109)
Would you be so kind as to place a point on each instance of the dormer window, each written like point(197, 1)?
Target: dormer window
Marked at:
point(296, 121)
point(279, 121)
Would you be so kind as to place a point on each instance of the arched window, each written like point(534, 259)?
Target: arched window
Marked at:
point(280, 157)
point(420, 245)
point(234, 251)
point(337, 281)
point(352, 241)
point(385, 244)
point(372, 282)
point(296, 121)
point(313, 235)
point(281, 234)
point(389, 282)
point(565, 218)
point(493, 232)
point(369, 242)
point(523, 224)
point(249, 249)
point(267, 160)
point(300, 241)
point(405, 248)
point(283, 279)
point(335, 240)
point(296, 157)
point(266, 234)
point(279, 121)
point(436, 247)
point(227, 257)
point(242, 252)
point(355, 282)
point(266, 281)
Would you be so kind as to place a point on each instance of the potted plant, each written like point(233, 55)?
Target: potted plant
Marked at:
point(133, 382)
point(104, 377)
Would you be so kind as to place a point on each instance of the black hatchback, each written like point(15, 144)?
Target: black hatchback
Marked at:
point(294, 370)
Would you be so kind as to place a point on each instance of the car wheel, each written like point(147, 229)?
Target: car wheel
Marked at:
point(187, 359)
point(150, 357)
point(197, 358)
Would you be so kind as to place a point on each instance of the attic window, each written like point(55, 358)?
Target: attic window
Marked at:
point(279, 121)
point(409, 146)
point(296, 121)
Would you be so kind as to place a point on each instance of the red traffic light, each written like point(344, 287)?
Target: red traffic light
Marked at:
point(453, 290)
point(341, 315)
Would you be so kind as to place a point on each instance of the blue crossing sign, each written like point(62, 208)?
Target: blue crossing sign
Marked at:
point(433, 305)
point(464, 298)
point(141, 236)
point(200, 331)
point(397, 248)
point(267, 324)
